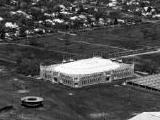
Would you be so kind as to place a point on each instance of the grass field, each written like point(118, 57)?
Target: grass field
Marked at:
point(149, 62)
point(117, 102)
point(108, 40)
point(12, 52)
point(75, 45)
point(128, 37)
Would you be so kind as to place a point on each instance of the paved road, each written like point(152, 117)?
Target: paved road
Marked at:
point(94, 44)
point(7, 60)
point(99, 45)
point(138, 54)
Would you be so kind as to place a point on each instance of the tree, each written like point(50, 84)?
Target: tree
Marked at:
point(36, 13)
point(115, 21)
point(4, 2)
point(2, 33)
point(149, 9)
point(98, 15)
point(28, 66)
point(81, 9)
point(22, 32)
point(114, 14)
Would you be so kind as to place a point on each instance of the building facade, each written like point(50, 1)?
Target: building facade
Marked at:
point(78, 79)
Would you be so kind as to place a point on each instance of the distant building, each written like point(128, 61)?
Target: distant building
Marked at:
point(147, 116)
point(86, 72)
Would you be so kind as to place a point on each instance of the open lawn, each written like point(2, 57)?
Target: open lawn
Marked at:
point(107, 40)
point(115, 102)
point(147, 63)
point(128, 37)
point(74, 45)
point(12, 52)
point(90, 103)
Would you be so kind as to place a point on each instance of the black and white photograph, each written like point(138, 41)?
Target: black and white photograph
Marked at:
point(79, 59)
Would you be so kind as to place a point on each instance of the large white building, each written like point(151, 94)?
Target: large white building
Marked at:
point(86, 72)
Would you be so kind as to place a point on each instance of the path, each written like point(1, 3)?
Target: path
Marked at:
point(138, 54)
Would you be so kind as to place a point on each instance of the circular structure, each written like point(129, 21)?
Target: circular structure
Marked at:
point(32, 101)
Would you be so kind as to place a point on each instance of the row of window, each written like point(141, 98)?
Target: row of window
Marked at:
point(65, 76)
point(122, 70)
point(47, 71)
point(123, 74)
point(47, 76)
point(89, 81)
point(107, 73)
point(91, 77)
point(50, 72)
point(84, 82)
point(55, 73)
point(94, 75)
point(69, 82)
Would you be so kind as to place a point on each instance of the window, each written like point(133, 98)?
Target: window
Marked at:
point(76, 79)
point(88, 81)
point(55, 79)
point(83, 82)
point(107, 78)
point(75, 84)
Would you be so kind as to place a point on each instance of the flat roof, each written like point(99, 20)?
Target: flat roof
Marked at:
point(87, 66)
point(147, 116)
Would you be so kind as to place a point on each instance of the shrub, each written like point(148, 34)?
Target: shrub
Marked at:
point(28, 66)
